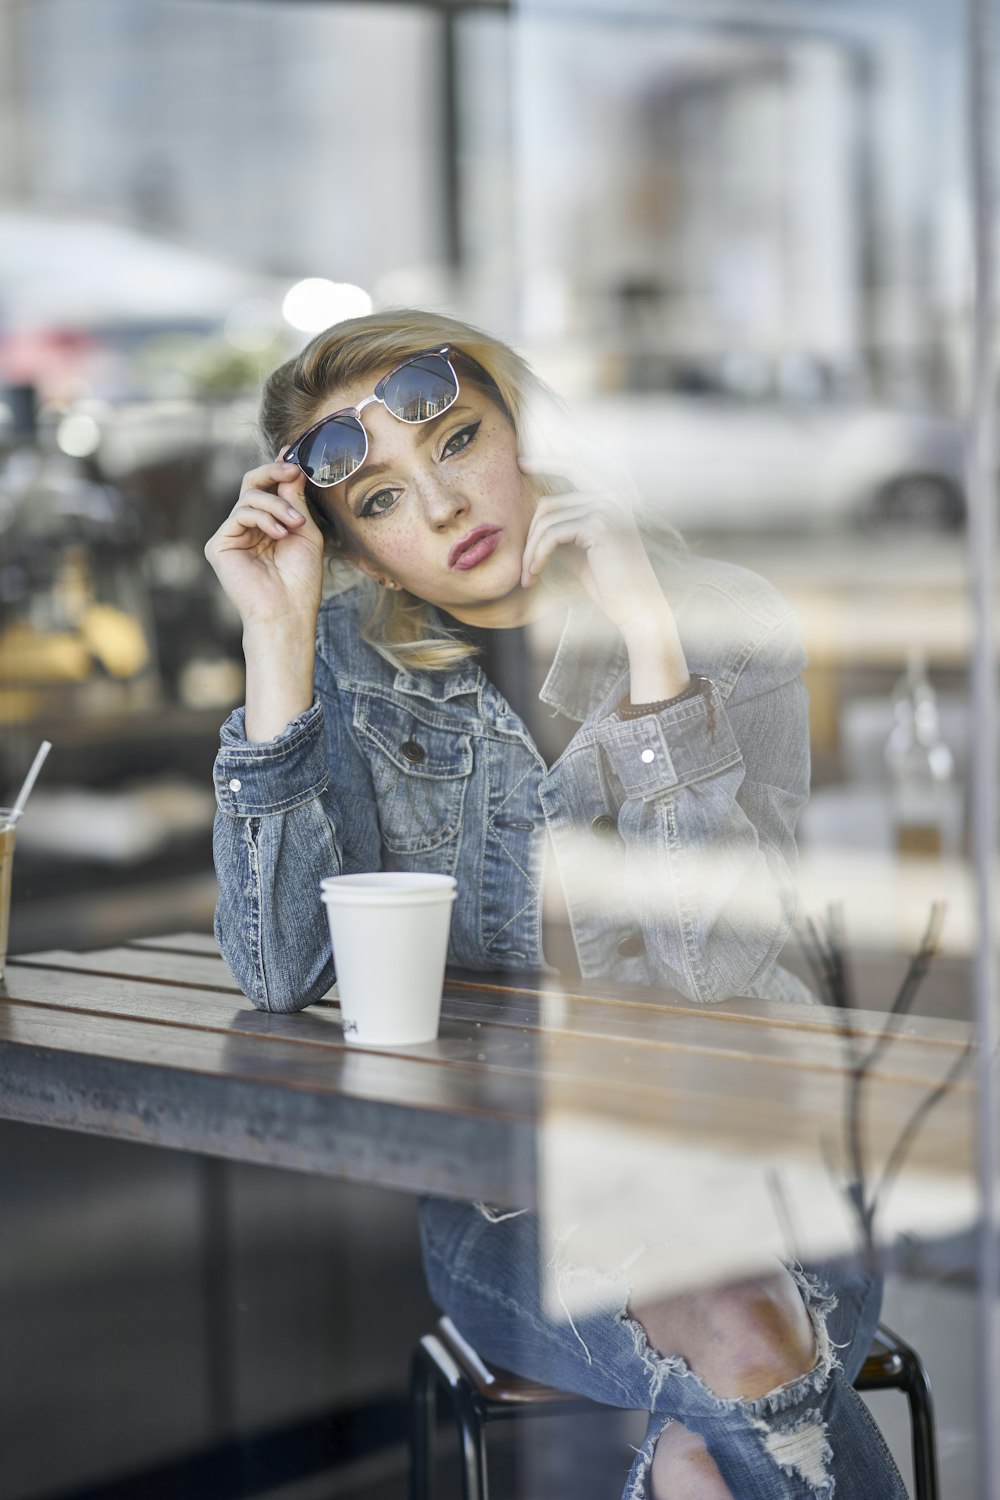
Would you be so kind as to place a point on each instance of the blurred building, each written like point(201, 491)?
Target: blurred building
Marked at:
point(251, 130)
point(682, 180)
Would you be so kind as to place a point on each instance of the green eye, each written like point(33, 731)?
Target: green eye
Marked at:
point(460, 440)
point(379, 504)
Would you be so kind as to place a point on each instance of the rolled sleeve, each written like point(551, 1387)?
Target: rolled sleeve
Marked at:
point(259, 780)
point(660, 752)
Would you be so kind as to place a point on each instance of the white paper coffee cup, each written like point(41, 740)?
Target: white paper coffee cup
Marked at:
point(390, 942)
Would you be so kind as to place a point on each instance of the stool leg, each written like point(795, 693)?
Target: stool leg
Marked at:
point(918, 1394)
point(423, 1412)
point(472, 1436)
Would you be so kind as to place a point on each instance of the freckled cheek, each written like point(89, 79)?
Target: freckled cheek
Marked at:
point(404, 552)
point(503, 486)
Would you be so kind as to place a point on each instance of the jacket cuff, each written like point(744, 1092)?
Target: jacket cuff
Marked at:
point(658, 752)
point(254, 780)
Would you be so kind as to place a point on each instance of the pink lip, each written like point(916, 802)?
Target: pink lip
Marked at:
point(473, 549)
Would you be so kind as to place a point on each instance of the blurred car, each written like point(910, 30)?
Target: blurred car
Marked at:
point(710, 461)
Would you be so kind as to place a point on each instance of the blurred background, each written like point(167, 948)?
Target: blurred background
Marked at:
point(736, 233)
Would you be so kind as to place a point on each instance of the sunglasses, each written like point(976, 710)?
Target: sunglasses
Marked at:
point(418, 390)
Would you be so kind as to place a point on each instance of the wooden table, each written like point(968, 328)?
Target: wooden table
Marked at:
point(717, 1132)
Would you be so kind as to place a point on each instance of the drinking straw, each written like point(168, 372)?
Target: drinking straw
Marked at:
point(30, 779)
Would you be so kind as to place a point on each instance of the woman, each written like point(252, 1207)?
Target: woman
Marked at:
point(404, 723)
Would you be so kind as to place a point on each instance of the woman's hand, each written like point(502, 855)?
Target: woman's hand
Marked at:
point(268, 553)
point(601, 541)
point(603, 546)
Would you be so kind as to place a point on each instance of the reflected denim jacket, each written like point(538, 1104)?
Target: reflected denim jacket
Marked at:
point(672, 834)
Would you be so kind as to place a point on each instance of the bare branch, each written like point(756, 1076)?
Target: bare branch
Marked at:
point(912, 1125)
point(826, 958)
point(915, 974)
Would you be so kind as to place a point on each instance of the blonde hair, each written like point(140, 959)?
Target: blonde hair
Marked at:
point(397, 623)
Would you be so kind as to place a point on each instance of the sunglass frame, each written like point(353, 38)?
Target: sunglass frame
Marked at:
point(354, 413)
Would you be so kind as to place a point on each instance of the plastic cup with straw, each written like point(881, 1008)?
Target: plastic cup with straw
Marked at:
point(8, 826)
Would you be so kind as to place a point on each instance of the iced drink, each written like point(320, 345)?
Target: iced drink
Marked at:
point(7, 829)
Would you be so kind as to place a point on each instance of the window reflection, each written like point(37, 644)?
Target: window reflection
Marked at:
point(737, 244)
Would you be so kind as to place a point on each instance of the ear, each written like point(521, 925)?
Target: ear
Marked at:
point(373, 571)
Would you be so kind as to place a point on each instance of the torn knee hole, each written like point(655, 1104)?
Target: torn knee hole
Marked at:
point(741, 1342)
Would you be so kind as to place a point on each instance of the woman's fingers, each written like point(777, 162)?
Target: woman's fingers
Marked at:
point(573, 523)
point(574, 501)
point(284, 480)
point(256, 517)
point(280, 506)
point(271, 514)
point(602, 515)
point(603, 543)
point(292, 485)
point(268, 553)
point(275, 473)
point(578, 531)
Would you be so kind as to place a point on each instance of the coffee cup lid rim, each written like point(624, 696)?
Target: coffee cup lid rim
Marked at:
point(381, 888)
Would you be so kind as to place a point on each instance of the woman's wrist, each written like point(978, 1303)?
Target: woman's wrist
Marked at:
point(280, 660)
point(656, 681)
point(658, 668)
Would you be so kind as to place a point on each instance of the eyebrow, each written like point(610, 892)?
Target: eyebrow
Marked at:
point(425, 431)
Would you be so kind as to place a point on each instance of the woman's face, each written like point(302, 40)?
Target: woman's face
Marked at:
point(439, 508)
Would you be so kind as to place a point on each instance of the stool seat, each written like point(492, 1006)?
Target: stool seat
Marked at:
point(494, 1384)
point(481, 1393)
point(882, 1370)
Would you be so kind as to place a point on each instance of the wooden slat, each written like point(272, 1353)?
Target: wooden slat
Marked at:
point(778, 1128)
point(198, 943)
point(181, 964)
point(133, 1087)
point(582, 1009)
point(176, 967)
point(719, 1101)
point(764, 1013)
point(682, 1028)
point(718, 1088)
point(326, 1069)
point(669, 1035)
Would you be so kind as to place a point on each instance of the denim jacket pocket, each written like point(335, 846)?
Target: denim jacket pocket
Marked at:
point(420, 770)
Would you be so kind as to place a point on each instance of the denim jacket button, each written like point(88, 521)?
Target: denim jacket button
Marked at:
point(235, 786)
point(631, 946)
point(413, 752)
point(604, 823)
point(647, 756)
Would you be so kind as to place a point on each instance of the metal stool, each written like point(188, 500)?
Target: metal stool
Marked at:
point(479, 1394)
point(893, 1366)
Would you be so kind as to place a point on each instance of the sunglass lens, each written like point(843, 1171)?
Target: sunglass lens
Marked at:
point(333, 451)
point(421, 389)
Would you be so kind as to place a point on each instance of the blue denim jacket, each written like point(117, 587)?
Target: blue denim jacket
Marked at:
point(673, 833)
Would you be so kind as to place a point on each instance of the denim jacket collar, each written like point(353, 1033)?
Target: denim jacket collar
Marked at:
point(590, 658)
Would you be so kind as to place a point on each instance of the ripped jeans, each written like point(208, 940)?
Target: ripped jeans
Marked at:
point(810, 1439)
